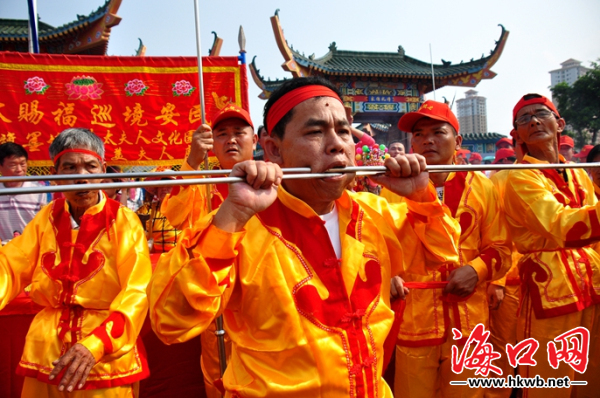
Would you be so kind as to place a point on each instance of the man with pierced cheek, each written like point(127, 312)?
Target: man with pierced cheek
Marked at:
point(300, 269)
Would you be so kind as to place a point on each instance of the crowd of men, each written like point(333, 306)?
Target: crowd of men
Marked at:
point(454, 274)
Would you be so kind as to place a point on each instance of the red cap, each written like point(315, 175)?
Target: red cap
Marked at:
point(539, 100)
point(232, 111)
point(431, 109)
point(463, 153)
point(506, 140)
point(504, 153)
point(475, 156)
point(584, 151)
point(566, 140)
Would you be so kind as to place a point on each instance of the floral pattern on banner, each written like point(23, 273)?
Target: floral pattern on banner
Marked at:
point(135, 87)
point(35, 85)
point(83, 88)
point(183, 87)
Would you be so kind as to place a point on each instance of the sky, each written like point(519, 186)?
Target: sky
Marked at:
point(542, 35)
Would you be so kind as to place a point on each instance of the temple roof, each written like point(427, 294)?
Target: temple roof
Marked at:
point(388, 64)
point(97, 23)
point(378, 64)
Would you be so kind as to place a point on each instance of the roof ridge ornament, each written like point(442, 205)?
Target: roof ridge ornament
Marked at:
point(401, 51)
point(332, 46)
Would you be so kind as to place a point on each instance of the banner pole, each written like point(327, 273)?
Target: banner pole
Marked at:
point(219, 332)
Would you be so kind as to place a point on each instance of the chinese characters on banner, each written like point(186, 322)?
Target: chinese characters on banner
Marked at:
point(573, 349)
point(144, 108)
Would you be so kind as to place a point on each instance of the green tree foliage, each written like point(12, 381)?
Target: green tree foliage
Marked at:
point(579, 105)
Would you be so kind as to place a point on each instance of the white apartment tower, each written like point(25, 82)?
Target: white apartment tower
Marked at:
point(571, 70)
point(472, 113)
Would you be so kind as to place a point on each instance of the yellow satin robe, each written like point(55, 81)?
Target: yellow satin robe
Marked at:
point(303, 323)
point(553, 225)
point(92, 285)
point(483, 245)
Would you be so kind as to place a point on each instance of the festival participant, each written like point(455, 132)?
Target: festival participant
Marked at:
point(504, 295)
point(504, 143)
point(115, 193)
point(423, 351)
point(395, 148)
point(309, 263)
point(553, 218)
point(87, 261)
point(16, 211)
point(262, 134)
point(582, 155)
point(232, 140)
point(566, 147)
point(475, 158)
point(594, 172)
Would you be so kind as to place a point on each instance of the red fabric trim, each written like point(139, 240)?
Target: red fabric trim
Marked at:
point(338, 310)
point(488, 256)
point(88, 152)
point(574, 240)
point(286, 103)
point(117, 330)
point(453, 190)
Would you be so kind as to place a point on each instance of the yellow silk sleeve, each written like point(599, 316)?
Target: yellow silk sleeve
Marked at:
point(531, 204)
point(185, 204)
point(118, 333)
point(426, 231)
point(187, 289)
point(494, 258)
point(19, 257)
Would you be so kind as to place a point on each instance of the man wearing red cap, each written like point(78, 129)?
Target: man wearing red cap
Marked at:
point(423, 351)
point(504, 143)
point(566, 147)
point(475, 158)
point(232, 140)
point(553, 218)
point(582, 155)
point(309, 262)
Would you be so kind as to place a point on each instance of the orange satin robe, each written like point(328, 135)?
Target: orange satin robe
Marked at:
point(483, 245)
point(302, 322)
point(555, 222)
point(91, 283)
point(187, 204)
point(163, 234)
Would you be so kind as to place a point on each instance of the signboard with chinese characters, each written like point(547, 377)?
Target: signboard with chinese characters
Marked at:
point(377, 95)
point(145, 109)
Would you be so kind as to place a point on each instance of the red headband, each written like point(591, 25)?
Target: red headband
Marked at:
point(94, 154)
point(286, 103)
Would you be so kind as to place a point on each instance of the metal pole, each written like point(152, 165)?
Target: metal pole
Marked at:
point(220, 332)
point(34, 45)
point(432, 73)
point(293, 170)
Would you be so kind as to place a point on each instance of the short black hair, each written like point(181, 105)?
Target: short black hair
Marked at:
point(289, 85)
point(9, 149)
point(595, 151)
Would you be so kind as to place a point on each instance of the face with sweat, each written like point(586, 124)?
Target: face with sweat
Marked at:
point(435, 140)
point(234, 142)
point(80, 163)
point(317, 136)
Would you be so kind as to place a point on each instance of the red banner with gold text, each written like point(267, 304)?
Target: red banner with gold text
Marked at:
point(144, 108)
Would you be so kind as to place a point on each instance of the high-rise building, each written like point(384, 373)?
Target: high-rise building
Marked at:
point(571, 70)
point(472, 113)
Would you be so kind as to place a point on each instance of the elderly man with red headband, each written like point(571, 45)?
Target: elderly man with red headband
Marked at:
point(425, 339)
point(553, 218)
point(309, 263)
point(86, 259)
